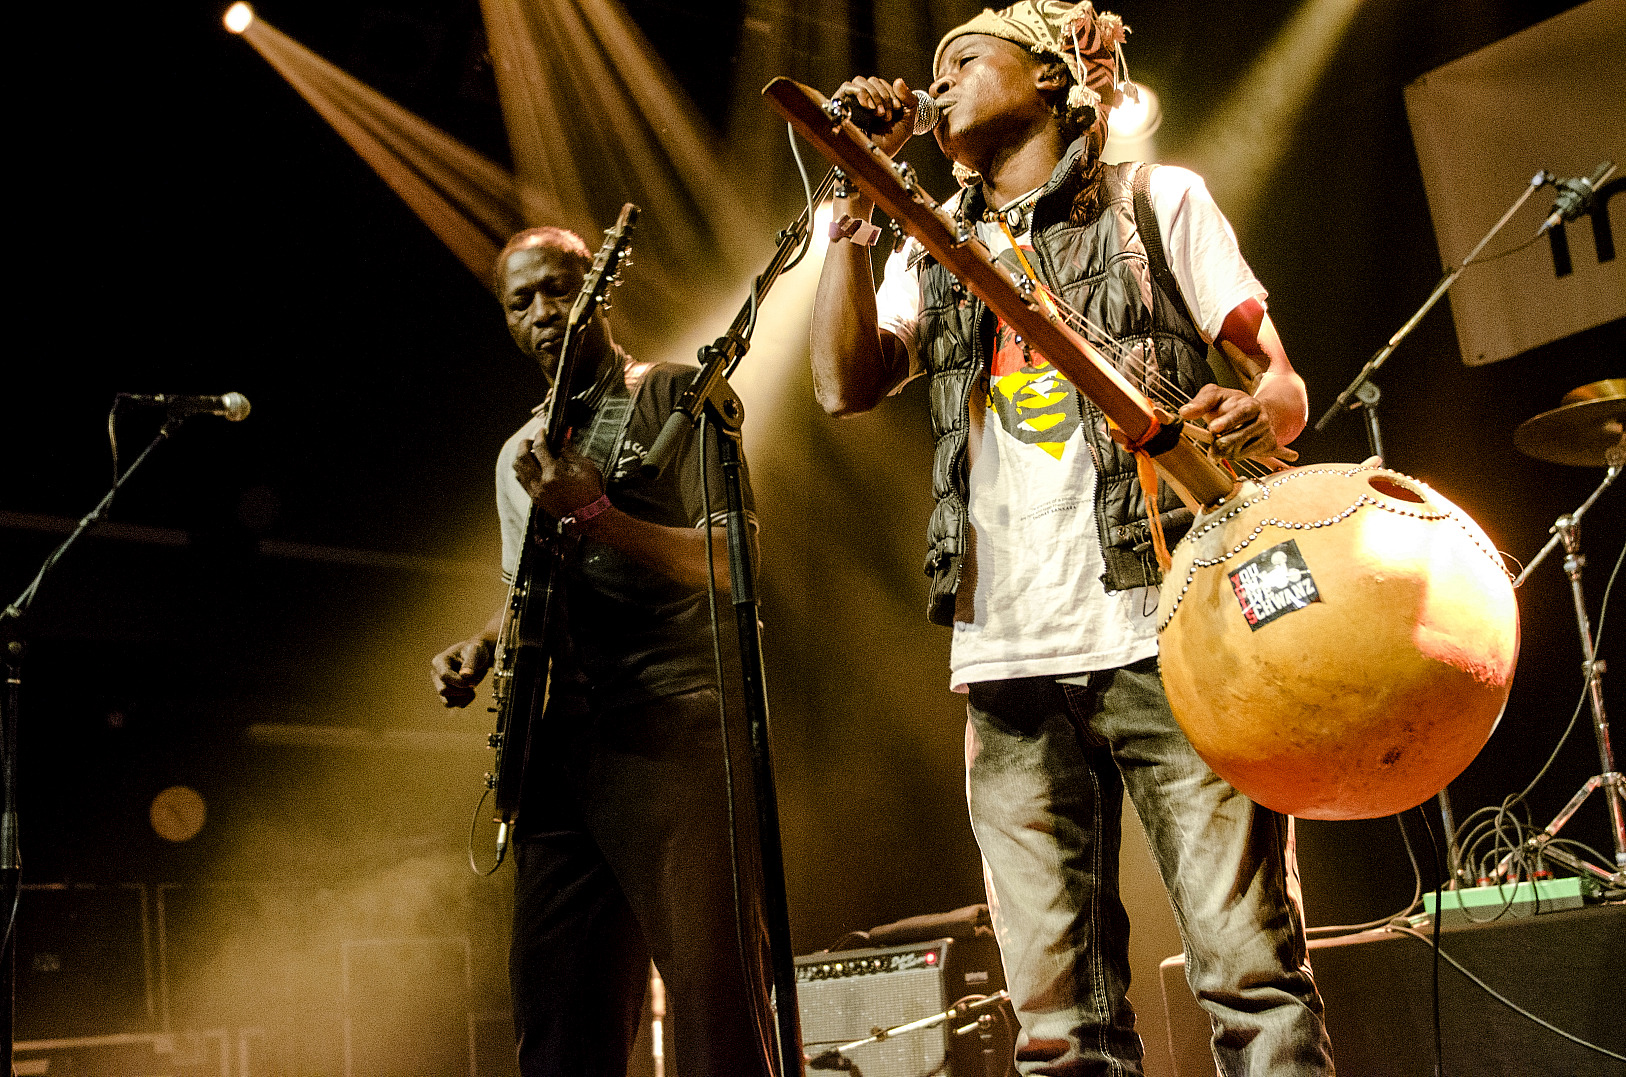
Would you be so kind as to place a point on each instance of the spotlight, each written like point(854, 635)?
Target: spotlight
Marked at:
point(1137, 113)
point(239, 17)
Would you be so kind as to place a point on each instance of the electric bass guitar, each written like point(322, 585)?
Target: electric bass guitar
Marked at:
point(520, 669)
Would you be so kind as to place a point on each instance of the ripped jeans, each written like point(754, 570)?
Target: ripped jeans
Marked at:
point(1047, 765)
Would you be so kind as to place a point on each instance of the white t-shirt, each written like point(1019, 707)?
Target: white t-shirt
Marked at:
point(1031, 602)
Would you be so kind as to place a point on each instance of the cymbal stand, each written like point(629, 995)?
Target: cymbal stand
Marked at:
point(1567, 529)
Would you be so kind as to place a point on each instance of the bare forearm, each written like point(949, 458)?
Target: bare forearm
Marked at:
point(678, 553)
point(1250, 339)
point(1285, 403)
point(853, 365)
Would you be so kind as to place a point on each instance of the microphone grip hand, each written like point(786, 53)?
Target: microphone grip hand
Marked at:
point(884, 111)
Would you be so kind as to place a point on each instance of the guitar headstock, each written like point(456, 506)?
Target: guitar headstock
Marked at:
point(611, 259)
point(605, 271)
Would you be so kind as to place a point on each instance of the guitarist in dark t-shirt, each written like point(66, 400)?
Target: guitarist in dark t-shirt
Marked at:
point(621, 846)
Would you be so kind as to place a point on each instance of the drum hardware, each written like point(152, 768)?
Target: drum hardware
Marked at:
point(1584, 431)
point(1588, 423)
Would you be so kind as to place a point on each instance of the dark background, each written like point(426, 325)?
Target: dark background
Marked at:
point(191, 225)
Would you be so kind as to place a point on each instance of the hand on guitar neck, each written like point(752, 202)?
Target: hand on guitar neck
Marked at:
point(558, 484)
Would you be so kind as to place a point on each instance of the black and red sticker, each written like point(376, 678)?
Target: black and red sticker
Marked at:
point(1274, 583)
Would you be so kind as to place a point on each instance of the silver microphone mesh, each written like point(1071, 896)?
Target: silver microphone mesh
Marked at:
point(926, 112)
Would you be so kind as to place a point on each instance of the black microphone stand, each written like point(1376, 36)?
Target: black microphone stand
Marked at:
point(1539, 180)
point(1365, 396)
point(13, 649)
point(710, 393)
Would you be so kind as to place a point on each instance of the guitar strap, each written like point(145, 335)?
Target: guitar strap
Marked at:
point(1152, 239)
point(612, 415)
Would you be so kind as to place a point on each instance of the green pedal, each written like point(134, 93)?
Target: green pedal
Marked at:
point(1482, 903)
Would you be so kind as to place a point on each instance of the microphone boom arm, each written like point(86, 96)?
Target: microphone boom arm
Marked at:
point(1537, 181)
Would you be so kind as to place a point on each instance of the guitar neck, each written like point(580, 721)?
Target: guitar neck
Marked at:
point(892, 186)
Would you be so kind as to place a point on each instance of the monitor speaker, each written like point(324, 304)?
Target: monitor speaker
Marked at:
point(847, 995)
point(1563, 967)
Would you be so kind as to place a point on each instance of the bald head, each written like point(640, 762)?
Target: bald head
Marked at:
point(559, 239)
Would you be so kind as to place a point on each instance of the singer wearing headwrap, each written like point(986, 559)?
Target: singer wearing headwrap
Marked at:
point(1040, 547)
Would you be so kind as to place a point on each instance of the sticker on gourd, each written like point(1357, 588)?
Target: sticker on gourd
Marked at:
point(1274, 584)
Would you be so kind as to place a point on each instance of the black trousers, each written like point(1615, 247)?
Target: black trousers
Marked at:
point(623, 853)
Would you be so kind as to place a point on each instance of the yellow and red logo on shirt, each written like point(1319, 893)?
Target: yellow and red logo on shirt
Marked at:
point(1035, 404)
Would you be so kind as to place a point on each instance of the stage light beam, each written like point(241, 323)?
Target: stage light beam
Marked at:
point(1244, 142)
point(239, 17)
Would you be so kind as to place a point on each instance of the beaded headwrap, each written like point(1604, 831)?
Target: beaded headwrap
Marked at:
point(1090, 44)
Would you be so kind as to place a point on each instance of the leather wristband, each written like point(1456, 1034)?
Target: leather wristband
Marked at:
point(862, 233)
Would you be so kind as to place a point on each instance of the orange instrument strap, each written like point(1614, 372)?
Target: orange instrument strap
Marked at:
point(1148, 484)
point(1144, 469)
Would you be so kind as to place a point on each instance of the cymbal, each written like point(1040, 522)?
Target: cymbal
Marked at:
point(1590, 421)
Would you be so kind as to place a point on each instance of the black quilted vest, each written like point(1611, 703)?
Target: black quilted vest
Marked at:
point(1088, 251)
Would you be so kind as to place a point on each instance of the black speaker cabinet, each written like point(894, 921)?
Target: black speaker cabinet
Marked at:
point(1565, 967)
point(846, 995)
point(83, 963)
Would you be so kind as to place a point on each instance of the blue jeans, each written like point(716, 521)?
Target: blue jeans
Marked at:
point(1047, 765)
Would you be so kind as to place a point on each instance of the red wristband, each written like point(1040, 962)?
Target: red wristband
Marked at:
point(586, 512)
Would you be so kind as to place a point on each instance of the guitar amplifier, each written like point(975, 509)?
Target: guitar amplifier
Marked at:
point(847, 995)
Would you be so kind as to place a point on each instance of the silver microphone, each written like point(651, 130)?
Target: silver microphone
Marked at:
point(233, 407)
point(927, 112)
point(845, 106)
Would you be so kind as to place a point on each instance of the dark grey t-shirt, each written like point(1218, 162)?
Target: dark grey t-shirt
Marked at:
point(631, 634)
